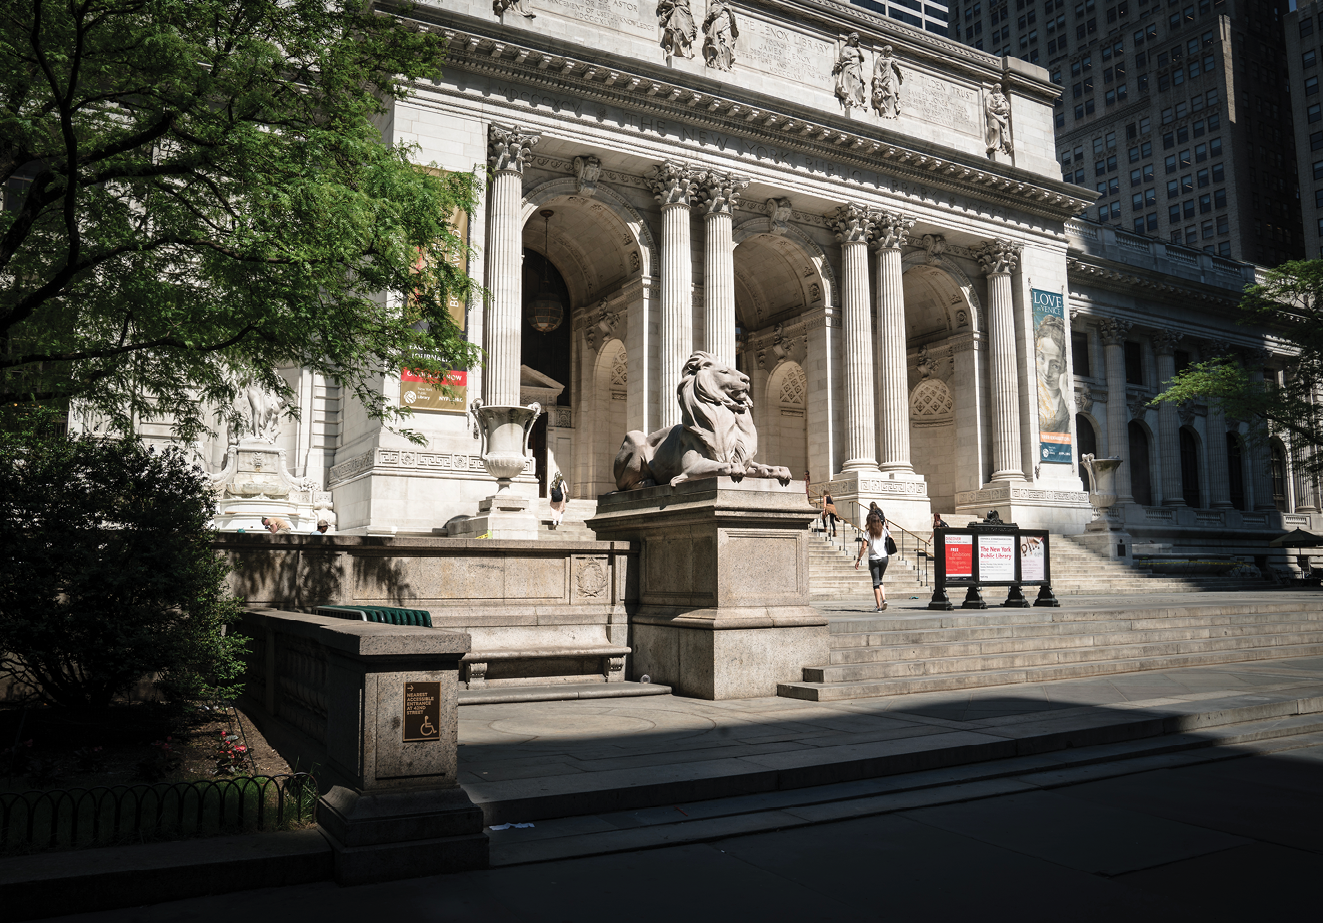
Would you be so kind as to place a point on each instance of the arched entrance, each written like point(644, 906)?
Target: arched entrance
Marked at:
point(785, 441)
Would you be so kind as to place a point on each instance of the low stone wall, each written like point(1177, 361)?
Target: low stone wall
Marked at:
point(544, 611)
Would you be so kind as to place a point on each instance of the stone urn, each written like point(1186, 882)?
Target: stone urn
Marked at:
point(1102, 474)
point(504, 433)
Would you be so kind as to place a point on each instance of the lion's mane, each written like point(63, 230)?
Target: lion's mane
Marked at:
point(722, 421)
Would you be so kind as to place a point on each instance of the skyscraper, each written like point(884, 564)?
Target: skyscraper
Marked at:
point(1177, 115)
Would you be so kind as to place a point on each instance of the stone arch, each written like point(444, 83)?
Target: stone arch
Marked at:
point(1279, 475)
point(1143, 448)
point(931, 403)
point(786, 397)
point(1192, 466)
point(603, 237)
point(756, 227)
point(946, 284)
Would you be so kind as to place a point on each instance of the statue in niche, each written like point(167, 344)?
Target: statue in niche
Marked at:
point(256, 415)
point(887, 78)
point(997, 133)
point(715, 438)
point(677, 27)
point(849, 71)
point(519, 6)
point(720, 32)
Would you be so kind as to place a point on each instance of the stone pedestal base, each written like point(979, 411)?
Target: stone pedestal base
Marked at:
point(1032, 506)
point(903, 497)
point(503, 515)
point(723, 584)
point(385, 836)
point(1113, 543)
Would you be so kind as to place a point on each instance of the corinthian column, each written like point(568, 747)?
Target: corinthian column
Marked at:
point(674, 185)
point(506, 150)
point(852, 226)
point(1118, 436)
point(999, 258)
point(719, 192)
point(1169, 424)
point(889, 230)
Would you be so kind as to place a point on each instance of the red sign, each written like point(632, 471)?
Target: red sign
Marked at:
point(959, 556)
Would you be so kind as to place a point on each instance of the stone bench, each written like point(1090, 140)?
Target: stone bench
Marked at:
point(543, 664)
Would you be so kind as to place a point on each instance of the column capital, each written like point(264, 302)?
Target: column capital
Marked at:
point(1164, 342)
point(508, 147)
point(719, 192)
point(890, 229)
point(674, 183)
point(1113, 331)
point(998, 256)
point(852, 223)
point(1214, 349)
point(1255, 357)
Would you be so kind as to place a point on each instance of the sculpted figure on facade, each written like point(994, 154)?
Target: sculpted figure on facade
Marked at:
point(519, 6)
point(677, 28)
point(997, 111)
point(887, 78)
point(256, 415)
point(720, 32)
point(779, 212)
point(849, 71)
point(587, 170)
point(715, 438)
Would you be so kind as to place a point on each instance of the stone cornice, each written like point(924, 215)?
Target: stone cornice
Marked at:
point(1108, 277)
point(815, 133)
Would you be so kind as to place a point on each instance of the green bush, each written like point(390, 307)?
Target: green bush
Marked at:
point(107, 574)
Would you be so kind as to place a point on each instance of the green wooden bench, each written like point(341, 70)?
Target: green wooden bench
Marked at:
point(385, 615)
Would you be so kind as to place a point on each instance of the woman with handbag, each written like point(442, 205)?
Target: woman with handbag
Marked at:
point(879, 545)
point(560, 498)
point(828, 515)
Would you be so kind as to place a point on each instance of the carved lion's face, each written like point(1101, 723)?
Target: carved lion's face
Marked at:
point(717, 383)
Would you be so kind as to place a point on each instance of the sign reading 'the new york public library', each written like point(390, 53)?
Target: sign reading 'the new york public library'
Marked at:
point(1054, 391)
point(450, 395)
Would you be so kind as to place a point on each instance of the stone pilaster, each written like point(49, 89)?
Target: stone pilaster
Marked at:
point(674, 184)
point(1113, 334)
point(999, 259)
point(719, 192)
point(507, 149)
point(853, 225)
point(889, 232)
point(1169, 423)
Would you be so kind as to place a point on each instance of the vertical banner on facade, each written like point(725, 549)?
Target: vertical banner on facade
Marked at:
point(1055, 394)
point(996, 558)
point(1033, 559)
point(959, 556)
point(430, 395)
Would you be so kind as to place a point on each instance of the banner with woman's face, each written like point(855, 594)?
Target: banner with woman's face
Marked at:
point(1055, 395)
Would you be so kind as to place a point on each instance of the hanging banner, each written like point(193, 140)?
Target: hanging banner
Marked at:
point(426, 394)
point(1055, 393)
point(996, 558)
point(1033, 558)
point(959, 556)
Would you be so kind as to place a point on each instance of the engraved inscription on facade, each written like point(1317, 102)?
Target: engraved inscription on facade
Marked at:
point(784, 52)
point(621, 15)
point(942, 103)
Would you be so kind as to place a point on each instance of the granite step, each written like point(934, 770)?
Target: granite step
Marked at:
point(827, 692)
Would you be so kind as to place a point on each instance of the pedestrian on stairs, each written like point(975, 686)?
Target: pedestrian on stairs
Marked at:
point(828, 515)
point(876, 536)
point(560, 498)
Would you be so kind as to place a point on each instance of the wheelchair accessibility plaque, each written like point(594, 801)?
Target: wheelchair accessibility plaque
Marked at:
point(422, 711)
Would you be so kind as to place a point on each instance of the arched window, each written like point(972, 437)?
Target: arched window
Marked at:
point(1235, 472)
point(1189, 468)
point(1140, 485)
point(1279, 478)
point(1088, 444)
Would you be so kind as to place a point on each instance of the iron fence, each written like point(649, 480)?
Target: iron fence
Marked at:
point(113, 815)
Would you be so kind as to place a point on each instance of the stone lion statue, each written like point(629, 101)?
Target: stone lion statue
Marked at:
point(715, 438)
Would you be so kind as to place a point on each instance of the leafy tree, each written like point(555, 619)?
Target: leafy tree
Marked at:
point(197, 192)
point(109, 573)
point(1289, 301)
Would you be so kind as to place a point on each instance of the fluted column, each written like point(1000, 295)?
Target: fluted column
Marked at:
point(1118, 436)
point(999, 258)
point(506, 150)
point(720, 192)
point(674, 185)
point(852, 226)
point(1169, 423)
point(889, 231)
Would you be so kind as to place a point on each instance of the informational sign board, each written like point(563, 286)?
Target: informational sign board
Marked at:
point(1055, 391)
point(996, 558)
point(422, 711)
point(1033, 558)
point(426, 395)
point(959, 556)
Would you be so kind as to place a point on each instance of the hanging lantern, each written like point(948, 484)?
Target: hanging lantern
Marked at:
point(546, 311)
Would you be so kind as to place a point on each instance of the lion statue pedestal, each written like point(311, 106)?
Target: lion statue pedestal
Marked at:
point(723, 587)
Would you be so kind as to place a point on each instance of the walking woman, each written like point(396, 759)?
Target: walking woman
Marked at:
point(560, 498)
point(875, 544)
point(828, 515)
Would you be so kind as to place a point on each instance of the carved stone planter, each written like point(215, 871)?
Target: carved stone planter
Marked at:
point(504, 432)
point(1102, 496)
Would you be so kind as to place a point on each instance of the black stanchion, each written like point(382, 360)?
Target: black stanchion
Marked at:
point(1015, 598)
point(974, 599)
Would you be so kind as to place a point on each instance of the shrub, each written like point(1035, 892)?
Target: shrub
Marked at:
point(107, 574)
